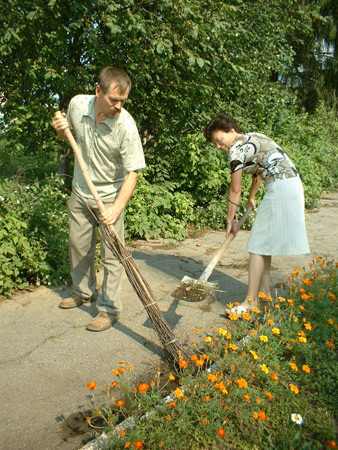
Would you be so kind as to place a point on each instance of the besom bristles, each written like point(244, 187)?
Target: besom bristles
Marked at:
point(145, 294)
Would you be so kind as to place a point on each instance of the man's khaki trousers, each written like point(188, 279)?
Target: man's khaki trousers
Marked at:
point(83, 216)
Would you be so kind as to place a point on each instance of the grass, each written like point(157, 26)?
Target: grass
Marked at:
point(268, 380)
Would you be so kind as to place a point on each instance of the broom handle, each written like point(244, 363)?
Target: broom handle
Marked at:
point(208, 270)
point(84, 171)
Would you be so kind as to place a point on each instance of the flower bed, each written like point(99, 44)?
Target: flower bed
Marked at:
point(268, 380)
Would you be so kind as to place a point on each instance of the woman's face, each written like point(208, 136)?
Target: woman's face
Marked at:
point(223, 139)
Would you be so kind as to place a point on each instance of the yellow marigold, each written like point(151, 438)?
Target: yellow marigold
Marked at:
point(233, 317)
point(207, 339)
point(308, 326)
point(246, 398)
point(269, 395)
point(263, 338)
point(211, 377)
point(246, 316)
point(254, 354)
point(264, 368)
point(275, 331)
point(281, 299)
point(88, 420)
point(290, 302)
point(306, 368)
point(171, 377)
point(302, 339)
point(233, 347)
point(294, 389)
point(199, 362)
point(293, 366)
point(261, 295)
point(178, 393)
point(230, 305)
point(222, 331)
point(241, 383)
point(331, 321)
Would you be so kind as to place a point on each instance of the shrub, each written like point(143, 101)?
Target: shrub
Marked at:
point(34, 238)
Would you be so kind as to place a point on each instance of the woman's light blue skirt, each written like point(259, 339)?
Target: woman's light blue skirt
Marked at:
point(279, 226)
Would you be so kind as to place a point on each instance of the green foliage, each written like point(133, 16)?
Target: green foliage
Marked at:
point(157, 211)
point(34, 236)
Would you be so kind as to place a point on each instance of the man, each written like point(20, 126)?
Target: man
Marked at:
point(111, 147)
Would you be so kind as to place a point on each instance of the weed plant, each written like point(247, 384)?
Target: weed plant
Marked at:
point(268, 379)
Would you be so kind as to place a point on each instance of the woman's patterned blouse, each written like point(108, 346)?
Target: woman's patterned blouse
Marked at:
point(257, 154)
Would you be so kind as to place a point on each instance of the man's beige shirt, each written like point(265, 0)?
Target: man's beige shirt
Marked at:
point(110, 149)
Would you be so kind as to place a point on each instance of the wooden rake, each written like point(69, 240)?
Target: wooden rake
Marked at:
point(170, 343)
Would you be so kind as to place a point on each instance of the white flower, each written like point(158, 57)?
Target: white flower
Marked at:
point(297, 418)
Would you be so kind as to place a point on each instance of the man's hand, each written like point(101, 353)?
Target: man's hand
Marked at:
point(60, 123)
point(110, 215)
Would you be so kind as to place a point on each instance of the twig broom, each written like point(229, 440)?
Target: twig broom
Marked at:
point(141, 287)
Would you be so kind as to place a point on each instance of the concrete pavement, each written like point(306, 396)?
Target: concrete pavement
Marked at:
point(47, 357)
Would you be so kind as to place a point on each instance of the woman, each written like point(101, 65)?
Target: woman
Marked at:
point(279, 227)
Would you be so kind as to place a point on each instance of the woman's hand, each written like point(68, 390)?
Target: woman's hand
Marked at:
point(251, 203)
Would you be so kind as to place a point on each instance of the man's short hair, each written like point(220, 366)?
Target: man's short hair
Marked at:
point(115, 75)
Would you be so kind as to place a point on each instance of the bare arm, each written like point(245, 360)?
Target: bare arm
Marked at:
point(235, 191)
point(256, 183)
point(112, 212)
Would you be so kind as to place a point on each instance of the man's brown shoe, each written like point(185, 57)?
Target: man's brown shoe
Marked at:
point(102, 321)
point(75, 300)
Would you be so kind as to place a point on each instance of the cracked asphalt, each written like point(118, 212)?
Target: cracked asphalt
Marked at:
point(47, 357)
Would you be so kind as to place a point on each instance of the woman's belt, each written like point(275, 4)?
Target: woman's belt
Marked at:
point(280, 176)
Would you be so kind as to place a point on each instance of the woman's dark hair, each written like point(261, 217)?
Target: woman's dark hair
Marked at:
point(111, 75)
point(222, 122)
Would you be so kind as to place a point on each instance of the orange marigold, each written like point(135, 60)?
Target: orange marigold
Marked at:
point(242, 383)
point(220, 432)
point(269, 395)
point(332, 444)
point(330, 344)
point(92, 385)
point(294, 389)
point(306, 368)
point(246, 397)
point(143, 387)
point(211, 377)
point(119, 403)
point(183, 364)
point(138, 444)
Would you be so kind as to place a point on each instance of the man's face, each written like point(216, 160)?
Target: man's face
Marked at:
point(111, 102)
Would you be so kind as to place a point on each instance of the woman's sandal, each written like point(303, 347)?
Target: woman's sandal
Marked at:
point(238, 310)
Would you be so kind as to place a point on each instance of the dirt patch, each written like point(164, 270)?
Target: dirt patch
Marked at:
point(192, 292)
